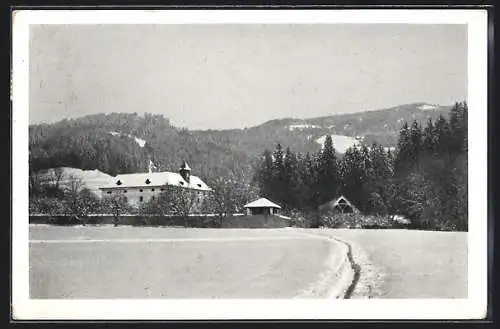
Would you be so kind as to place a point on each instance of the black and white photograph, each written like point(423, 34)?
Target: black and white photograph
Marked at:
point(249, 164)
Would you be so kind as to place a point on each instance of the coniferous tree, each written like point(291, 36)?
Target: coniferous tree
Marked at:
point(415, 145)
point(265, 175)
point(442, 133)
point(307, 190)
point(429, 139)
point(458, 127)
point(278, 175)
point(352, 170)
point(379, 195)
point(327, 175)
point(402, 158)
point(291, 179)
point(464, 118)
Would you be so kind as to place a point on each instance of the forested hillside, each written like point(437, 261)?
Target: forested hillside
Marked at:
point(109, 142)
point(93, 142)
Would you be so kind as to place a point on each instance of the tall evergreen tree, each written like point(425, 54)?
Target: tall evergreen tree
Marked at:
point(402, 158)
point(379, 195)
point(458, 127)
point(278, 175)
point(415, 145)
point(442, 133)
point(353, 177)
point(327, 174)
point(307, 188)
point(265, 175)
point(429, 139)
point(291, 179)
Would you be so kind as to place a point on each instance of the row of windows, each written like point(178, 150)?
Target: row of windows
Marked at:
point(142, 198)
point(149, 182)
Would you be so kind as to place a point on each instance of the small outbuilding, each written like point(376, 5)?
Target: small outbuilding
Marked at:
point(341, 205)
point(262, 206)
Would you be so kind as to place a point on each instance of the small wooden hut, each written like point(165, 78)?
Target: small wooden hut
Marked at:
point(262, 206)
point(341, 205)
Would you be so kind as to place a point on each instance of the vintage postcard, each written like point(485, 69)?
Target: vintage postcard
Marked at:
point(249, 164)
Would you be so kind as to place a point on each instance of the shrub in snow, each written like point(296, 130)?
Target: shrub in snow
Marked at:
point(299, 219)
point(352, 220)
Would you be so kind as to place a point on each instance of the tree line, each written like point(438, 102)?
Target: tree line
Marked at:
point(424, 178)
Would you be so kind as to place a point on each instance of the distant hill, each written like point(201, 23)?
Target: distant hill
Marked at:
point(122, 143)
point(305, 135)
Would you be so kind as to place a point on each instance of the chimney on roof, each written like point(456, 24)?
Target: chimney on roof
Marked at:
point(185, 171)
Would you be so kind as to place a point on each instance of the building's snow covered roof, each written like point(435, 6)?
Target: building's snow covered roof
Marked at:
point(262, 202)
point(156, 179)
point(341, 201)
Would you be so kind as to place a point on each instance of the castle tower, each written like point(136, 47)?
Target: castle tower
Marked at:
point(185, 171)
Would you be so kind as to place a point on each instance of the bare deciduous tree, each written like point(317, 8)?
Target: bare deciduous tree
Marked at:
point(76, 206)
point(180, 201)
point(117, 205)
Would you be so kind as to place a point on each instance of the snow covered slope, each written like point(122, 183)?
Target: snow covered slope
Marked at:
point(138, 140)
point(340, 142)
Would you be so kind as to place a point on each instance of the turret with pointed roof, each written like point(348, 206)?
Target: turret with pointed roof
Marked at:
point(185, 171)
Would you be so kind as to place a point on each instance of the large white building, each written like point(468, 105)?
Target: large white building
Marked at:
point(141, 187)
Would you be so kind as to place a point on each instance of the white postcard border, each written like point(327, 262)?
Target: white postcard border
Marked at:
point(472, 307)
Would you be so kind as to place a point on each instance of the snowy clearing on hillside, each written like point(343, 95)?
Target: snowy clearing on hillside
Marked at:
point(340, 142)
point(302, 126)
point(427, 107)
point(138, 140)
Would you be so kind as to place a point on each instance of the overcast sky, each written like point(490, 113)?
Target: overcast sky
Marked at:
point(235, 76)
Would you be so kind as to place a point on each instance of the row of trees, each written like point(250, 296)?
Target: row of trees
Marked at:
point(425, 178)
point(306, 181)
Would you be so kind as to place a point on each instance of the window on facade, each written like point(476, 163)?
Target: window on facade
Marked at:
point(141, 198)
point(109, 192)
point(152, 190)
point(124, 191)
point(140, 190)
point(153, 197)
point(162, 189)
